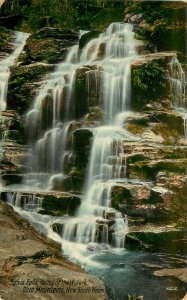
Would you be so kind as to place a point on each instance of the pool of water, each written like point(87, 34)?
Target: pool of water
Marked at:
point(131, 272)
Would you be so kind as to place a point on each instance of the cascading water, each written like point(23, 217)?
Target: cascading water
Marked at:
point(52, 101)
point(6, 63)
point(96, 221)
point(177, 82)
point(49, 121)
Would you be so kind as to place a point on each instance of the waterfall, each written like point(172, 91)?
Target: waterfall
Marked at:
point(5, 64)
point(49, 125)
point(96, 221)
point(177, 81)
point(51, 110)
point(50, 117)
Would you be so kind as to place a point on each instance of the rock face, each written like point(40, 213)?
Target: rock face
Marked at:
point(14, 151)
point(5, 41)
point(150, 78)
point(23, 83)
point(32, 265)
point(50, 45)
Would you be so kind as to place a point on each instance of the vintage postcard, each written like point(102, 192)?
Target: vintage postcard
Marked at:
point(93, 150)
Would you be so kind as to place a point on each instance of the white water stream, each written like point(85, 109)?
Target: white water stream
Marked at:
point(49, 121)
point(5, 64)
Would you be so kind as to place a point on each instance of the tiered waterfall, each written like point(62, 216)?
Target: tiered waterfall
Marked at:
point(49, 121)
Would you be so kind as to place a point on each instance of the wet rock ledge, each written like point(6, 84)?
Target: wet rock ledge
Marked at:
point(32, 267)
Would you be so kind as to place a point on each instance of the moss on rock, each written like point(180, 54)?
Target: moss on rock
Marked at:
point(50, 45)
point(150, 168)
point(23, 85)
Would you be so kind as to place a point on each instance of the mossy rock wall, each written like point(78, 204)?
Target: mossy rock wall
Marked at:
point(50, 45)
point(150, 79)
point(23, 84)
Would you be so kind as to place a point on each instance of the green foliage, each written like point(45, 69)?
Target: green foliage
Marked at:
point(75, 14)
point(166, 23)
point(148, 82)
point(106, 16)
point(147, 73)
point(151, 10)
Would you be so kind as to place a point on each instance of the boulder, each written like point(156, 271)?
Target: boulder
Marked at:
point(133, 18)
point(161, 105)
point(168, 119)
point(8, 178)
point(171, 119)
point(60, 203)
point(164, 57)
point(150, 168)
point(160, 238)
point(166, 28)
point(95, 114)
